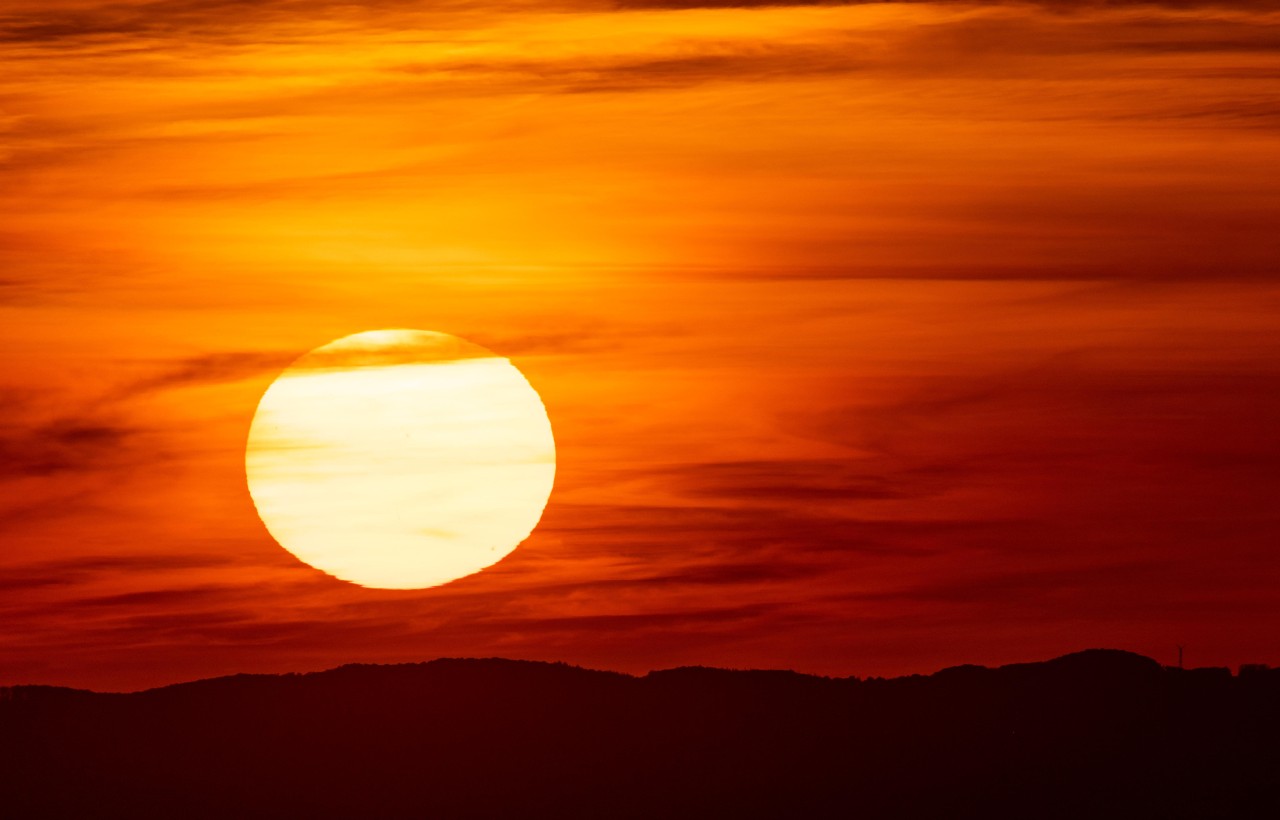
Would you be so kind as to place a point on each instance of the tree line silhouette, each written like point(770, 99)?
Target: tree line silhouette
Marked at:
point(1096, 734)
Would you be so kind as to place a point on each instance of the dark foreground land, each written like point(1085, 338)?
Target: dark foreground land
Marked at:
point(1098, 734)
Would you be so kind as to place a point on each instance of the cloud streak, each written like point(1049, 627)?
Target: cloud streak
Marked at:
point(1073, 6)
point(60, 446)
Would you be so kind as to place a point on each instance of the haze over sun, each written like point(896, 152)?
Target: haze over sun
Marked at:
point(400, 459)
point(875, 337)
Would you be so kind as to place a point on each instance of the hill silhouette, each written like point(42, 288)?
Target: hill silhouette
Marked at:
point(1096, 734)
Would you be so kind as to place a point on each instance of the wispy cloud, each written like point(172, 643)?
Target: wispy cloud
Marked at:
point(1075, 6)
point(745, 62)
point(224, 21)
point(60, 446)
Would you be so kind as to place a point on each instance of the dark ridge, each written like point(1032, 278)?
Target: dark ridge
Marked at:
point(1097, 661)
point(1098, 734)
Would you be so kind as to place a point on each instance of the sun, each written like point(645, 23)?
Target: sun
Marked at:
point(400, 459)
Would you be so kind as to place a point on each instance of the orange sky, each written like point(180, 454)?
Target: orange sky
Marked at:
point(875, 337)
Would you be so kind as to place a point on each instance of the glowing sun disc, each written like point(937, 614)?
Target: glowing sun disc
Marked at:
point(400, 459)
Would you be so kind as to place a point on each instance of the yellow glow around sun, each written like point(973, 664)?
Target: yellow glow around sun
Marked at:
point(400, 459)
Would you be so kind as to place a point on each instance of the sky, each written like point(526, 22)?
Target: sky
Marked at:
point(875, 337)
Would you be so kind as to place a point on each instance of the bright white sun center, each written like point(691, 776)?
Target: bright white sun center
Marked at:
point(400, 459)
